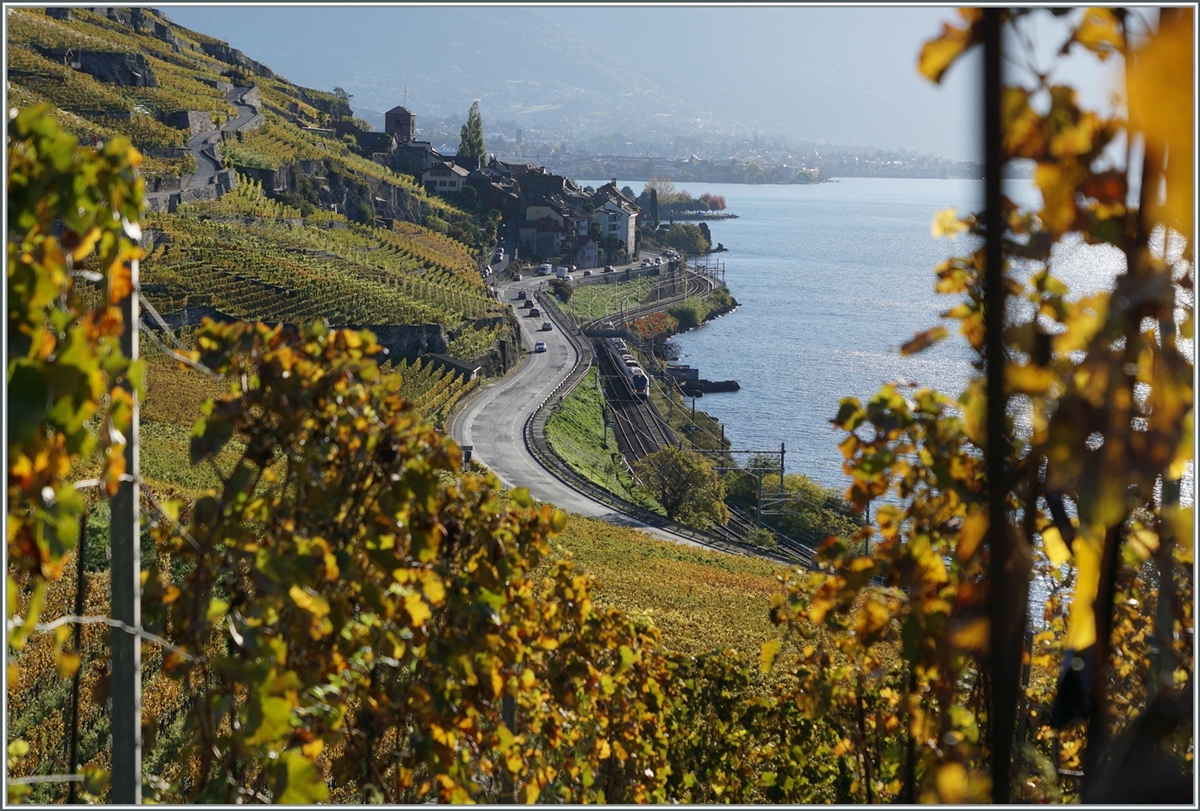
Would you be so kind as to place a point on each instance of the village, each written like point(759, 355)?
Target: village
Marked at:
point(548, 218)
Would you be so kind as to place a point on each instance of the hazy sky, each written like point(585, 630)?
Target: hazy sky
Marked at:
point(842, 74)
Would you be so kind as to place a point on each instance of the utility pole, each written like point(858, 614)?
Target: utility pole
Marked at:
point(125, 591)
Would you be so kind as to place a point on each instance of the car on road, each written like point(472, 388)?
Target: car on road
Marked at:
point(547, 326)
point(587, 273)
point(535, 313)
point(608, 268)
point(540, 346)
point(522, 295)
point(516, 277)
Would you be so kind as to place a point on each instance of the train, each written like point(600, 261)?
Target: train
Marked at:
point(639, 381)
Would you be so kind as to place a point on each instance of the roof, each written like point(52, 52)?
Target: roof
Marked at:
point(399, 109)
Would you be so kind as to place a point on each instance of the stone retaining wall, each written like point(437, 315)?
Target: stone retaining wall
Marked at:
point(191, 120)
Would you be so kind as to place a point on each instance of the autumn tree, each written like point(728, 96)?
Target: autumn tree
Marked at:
point(931, 627)
point(470, 144)
point(685, 485)
point(72, 221)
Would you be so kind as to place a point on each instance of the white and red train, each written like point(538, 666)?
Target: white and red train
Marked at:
point(638, 380)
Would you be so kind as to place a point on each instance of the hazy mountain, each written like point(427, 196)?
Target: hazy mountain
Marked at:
point(843, 75)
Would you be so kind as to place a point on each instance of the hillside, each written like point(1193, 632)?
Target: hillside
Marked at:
point(356, 244)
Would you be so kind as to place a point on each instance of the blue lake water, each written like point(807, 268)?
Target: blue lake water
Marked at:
point(832, 278)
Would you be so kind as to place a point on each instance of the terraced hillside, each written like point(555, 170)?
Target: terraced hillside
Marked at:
point(318, 232)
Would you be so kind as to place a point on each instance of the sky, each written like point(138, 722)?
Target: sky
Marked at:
point(840, 74)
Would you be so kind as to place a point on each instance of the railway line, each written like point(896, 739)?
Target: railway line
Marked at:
point(639, 428)
point(697, 284)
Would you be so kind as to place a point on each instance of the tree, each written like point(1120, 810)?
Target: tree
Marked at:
point(471, 143)
point(342, 94)
point(686, 486)
point(561, 289)
point(72, 222)
point(686, 237)
point(662, 186)
point(349, 589)
point(1088, 498)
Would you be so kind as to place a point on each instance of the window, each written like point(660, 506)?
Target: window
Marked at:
point(441, 183)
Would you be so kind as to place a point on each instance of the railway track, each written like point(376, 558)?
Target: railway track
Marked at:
point(639, 428)
point(697, 285)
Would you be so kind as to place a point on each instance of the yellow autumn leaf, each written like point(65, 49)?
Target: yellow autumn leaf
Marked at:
point(938, 54)
point(946, 223)
point(873, 617)
point(971, 635)
point(1028, 379)
point(1184, 452)
point(432, 586)
point(86, 243)
point(952, 783)
point(1081, 625)
point(974, 527)
point(311, 602)
point(1054, 547)
point(766, 656)
point(417, 609)
point(1100, 32)
point(1161, 87)
point(1058, 182)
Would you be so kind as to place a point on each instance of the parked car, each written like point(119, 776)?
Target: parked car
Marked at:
point(516, 277)
point(540, 346)
point(547, 326)
point(587, 273)
point(658, 260)
point(608, 268)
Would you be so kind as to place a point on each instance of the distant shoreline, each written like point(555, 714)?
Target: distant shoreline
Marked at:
point(837, 179)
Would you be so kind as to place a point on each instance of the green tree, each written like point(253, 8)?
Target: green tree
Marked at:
point(686, 237)
point(471, 144)
point(561, 289)
point(686, 486)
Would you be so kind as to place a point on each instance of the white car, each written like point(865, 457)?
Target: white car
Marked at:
point(540, 346)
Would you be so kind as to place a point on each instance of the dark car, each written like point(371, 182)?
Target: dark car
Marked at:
point(608, 268)
point(535, 313)
point(522, 295)
point(587, 273)
point(547, 326)
point(516, 277)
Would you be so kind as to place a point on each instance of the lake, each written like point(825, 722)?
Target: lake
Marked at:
point(831, 279)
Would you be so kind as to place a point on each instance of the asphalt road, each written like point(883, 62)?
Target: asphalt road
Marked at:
point(201, 144)
point(493, 422)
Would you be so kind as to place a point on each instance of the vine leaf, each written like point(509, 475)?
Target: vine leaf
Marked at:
point(938, 54)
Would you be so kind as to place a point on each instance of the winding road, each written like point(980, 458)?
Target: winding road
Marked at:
point(493, 421)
